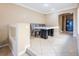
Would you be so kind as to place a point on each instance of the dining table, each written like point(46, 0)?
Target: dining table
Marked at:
point(46, 31)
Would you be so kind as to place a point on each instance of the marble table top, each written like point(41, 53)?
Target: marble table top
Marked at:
point(46, 27)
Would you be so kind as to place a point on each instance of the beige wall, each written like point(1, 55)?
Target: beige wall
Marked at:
point(52, 18)
point(11, 13)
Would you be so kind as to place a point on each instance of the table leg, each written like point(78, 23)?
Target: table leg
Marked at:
point(50, 32)
point(44, 34)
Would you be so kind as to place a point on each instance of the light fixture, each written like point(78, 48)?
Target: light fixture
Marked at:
point(46, 5)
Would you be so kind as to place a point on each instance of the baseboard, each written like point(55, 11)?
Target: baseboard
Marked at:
point(4, 45)
point(12, 51)
point(20, 54)
point(31, 52)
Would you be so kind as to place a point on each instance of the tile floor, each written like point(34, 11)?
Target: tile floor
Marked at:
point(25, 54)
point(60, 45)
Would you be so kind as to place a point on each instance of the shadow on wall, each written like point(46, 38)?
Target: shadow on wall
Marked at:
point(3, 33)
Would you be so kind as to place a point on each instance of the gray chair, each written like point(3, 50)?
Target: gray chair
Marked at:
point(36, 32)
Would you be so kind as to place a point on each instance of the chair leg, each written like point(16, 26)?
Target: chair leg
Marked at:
point(35, 34)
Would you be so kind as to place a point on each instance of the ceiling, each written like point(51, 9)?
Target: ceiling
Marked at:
point(48, 7)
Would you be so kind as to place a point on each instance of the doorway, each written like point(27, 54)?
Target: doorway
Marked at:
point(66, 23)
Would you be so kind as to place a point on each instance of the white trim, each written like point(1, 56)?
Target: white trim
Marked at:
point(45, 12)
point(73, 7)
point(67, 8)
point(4, 45)
point(29, 8)
point(12, 51)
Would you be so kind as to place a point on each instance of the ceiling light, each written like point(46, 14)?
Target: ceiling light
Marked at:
point(46, 5)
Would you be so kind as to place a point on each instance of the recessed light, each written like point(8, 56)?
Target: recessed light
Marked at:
point(46, 5)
